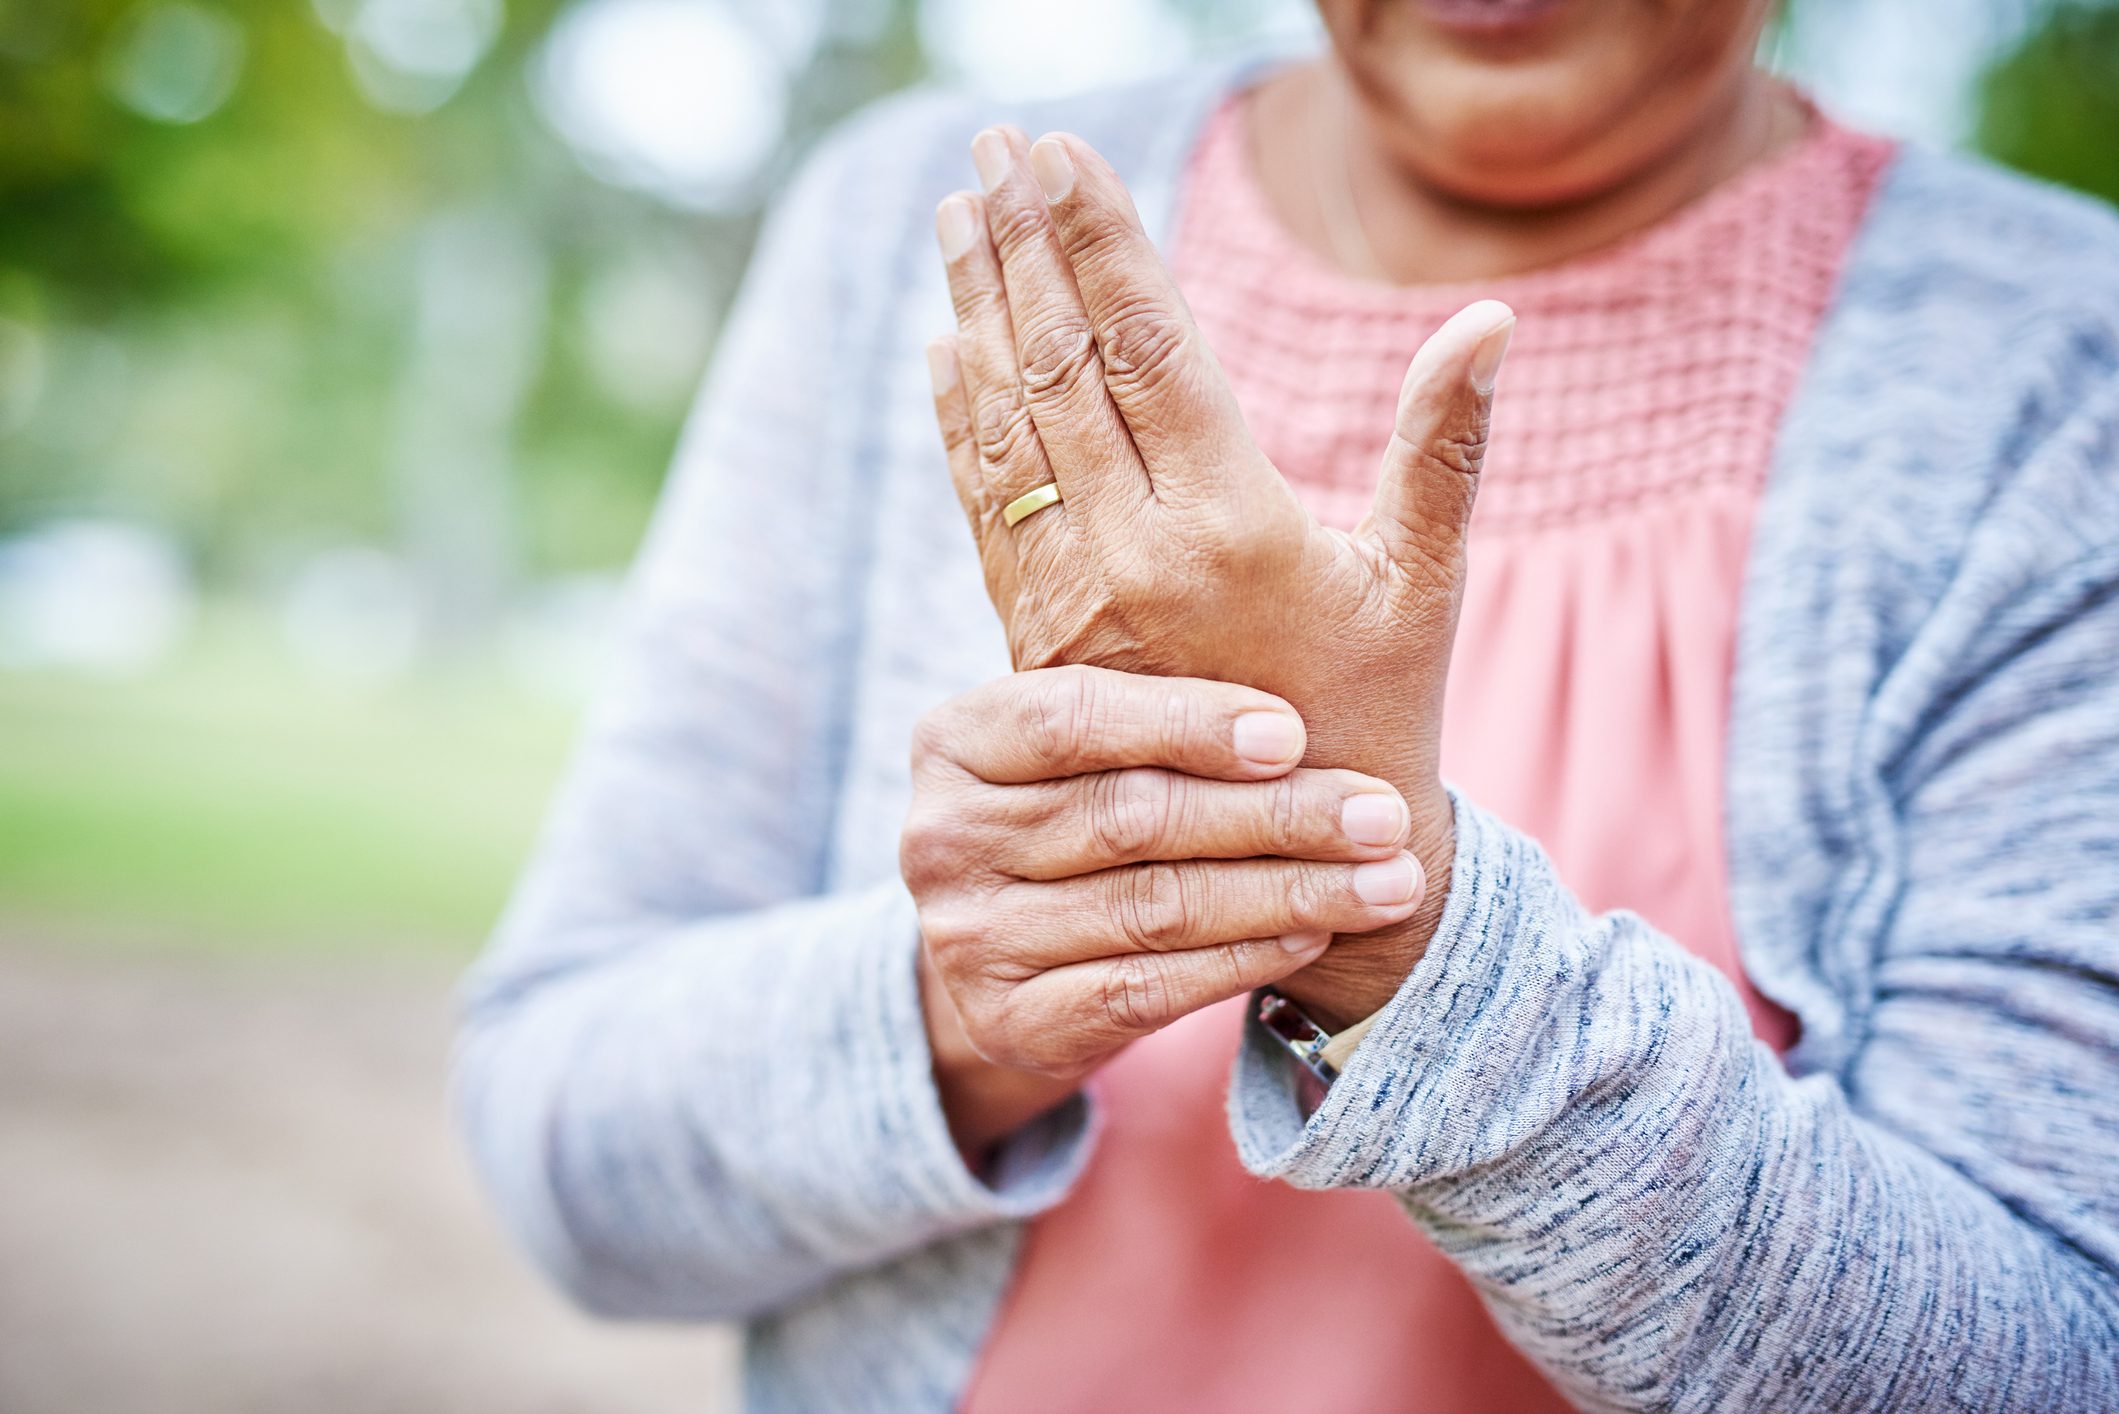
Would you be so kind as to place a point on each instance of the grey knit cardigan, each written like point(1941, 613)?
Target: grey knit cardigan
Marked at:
point(692, 1068)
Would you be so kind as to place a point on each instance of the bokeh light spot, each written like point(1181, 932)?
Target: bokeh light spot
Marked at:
point(175, 63)
point(411, 56)
point(674, 97)
point(1033, 48)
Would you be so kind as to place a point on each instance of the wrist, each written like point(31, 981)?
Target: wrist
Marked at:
point(1359, 974)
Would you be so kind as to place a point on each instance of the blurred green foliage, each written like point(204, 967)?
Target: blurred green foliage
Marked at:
point(210, 321)
point(224, 306)
point(2051, 107)
point(212, 301)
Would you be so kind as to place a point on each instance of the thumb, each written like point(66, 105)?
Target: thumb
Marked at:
point(1431, 469)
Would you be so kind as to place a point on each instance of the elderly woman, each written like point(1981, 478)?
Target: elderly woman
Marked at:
point(1150, 1027)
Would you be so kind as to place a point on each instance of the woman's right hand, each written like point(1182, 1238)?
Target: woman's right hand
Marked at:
point(1095, 854)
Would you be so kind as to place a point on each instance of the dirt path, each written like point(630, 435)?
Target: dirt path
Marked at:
point(228, 1188)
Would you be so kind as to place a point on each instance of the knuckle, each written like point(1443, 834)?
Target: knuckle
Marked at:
point(934, 735)
point(995, 1027)
point(1001, 426)
point(1316, 896)
point(956, 434)
point(1138, 579)
point(1021, 1035)
point(1247, 542)
point(1014, 222)
point(977, 301)
point(1459, 450)
point(919, 858)
point(1152, 907)
point(1134, 995)
point(1131, 813)
point(1191, 726)
point(1099, 235)
point(1062, 720)
point(1288, 807)
point(1145, 344)
point(1056, 352)
point(994, 1034)
point(936, 844)
point(950, 933)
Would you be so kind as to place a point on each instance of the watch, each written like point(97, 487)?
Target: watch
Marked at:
point(1318, 1051)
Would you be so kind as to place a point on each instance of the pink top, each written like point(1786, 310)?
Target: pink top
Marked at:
point(1587, 701)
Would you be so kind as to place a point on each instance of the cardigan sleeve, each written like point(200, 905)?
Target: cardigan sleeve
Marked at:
point(1656, 1211)
point(695, 1082)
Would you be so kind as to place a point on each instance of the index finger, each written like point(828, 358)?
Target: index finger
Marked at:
point(1051, 723)
point(1159, 370)
point(1086, 439)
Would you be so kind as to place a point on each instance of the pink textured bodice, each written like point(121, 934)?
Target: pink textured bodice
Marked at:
point(1588, 696)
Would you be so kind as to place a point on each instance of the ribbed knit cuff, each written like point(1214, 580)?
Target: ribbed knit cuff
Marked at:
point(1435, 1070)
point(890, 1110)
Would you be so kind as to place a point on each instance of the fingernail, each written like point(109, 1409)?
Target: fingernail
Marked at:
point(1373, 819)
point(956, 226)
point(1267, 738)
point(941, 368)
point(1052, 167)
point(1486, 358)
point(1387, 882)
point(1301, 944)
point(989, 154)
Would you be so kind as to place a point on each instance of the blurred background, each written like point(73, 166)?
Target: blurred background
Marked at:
point(342, 347)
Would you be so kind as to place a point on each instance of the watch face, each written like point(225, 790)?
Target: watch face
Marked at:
point(1285, 1020)
point(1302, 1036)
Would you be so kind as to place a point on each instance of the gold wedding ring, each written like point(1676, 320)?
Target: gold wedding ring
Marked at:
point(1045, 495)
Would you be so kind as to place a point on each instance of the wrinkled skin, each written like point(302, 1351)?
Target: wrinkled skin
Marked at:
point(1178, 548)
point(1095, 854)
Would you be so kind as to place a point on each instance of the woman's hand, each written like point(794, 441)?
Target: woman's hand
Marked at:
point(1096, 854)
point(1178, 548)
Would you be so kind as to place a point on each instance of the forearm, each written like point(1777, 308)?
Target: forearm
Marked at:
point(707, 1123)
point(1576, 1112)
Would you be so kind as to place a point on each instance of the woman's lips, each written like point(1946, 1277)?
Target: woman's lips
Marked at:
point(1489, 14)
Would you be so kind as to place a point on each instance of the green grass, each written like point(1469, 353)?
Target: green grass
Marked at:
point(229, 805)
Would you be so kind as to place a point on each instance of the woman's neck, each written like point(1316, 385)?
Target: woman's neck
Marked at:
point(1338, 191)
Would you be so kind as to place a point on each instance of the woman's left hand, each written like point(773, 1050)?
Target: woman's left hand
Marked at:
point(1178, 548)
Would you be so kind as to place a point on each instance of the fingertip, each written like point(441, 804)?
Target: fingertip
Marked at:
point(1474, 338)
point(1053, 166)
point(943, 370)
point(956, 224)
point(1075, 145)
point(1395, 885)
point(1094, 185)
point(1305, 946)
point(1489, 351)
point(1485, 314)
point(1375, 819)
point(990, 156)
point(1268, 738)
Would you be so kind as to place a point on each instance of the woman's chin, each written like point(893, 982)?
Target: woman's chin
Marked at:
point(1528, 148)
